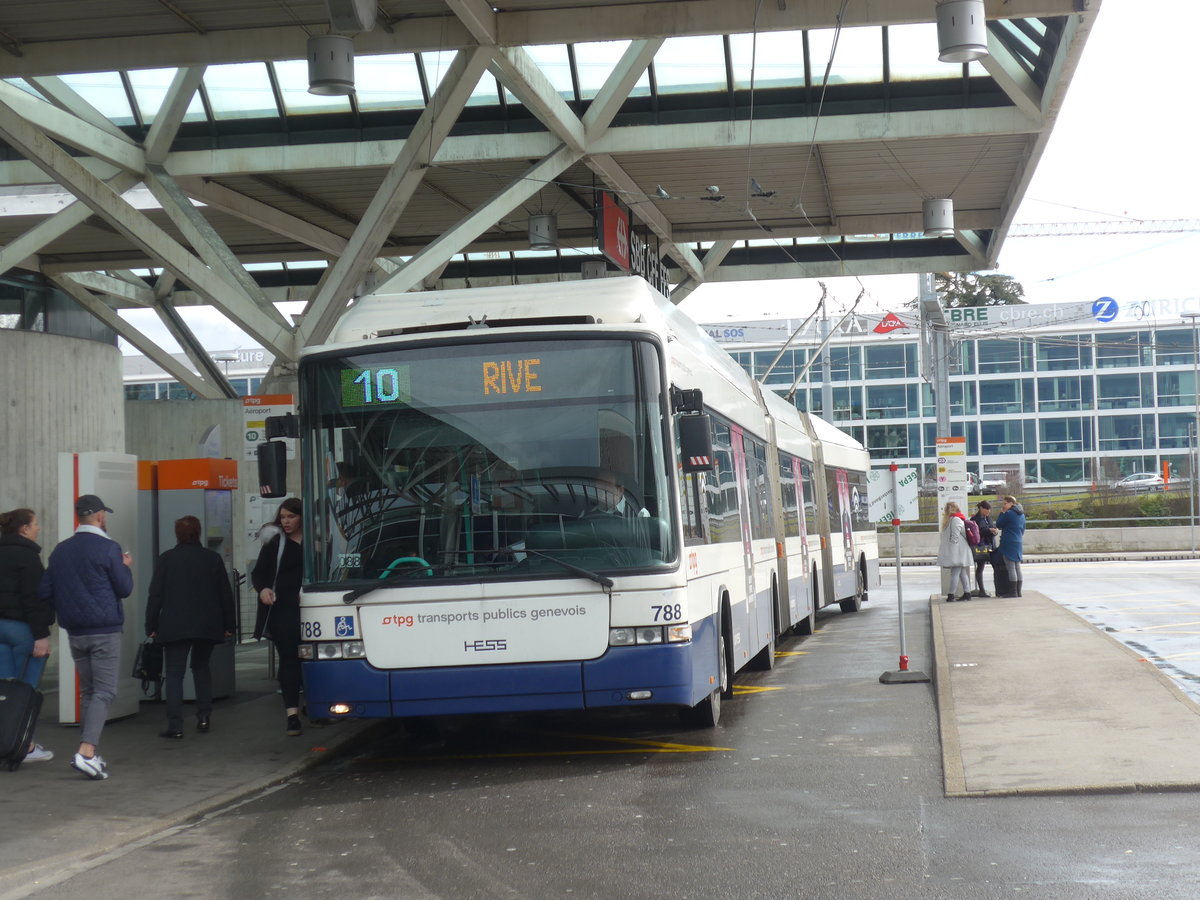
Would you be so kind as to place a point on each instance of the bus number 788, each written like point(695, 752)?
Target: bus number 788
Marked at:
point(671, 612)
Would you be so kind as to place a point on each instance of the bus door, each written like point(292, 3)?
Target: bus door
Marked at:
point(737, 438)
point(807, 606)
point(844, 514)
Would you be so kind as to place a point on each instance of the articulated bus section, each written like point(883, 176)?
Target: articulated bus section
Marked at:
point(584, 503)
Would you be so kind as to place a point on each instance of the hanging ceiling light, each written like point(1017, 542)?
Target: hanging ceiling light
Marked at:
point(543, 232)
point(962, 31)
point(938, 216)
point(330, 64)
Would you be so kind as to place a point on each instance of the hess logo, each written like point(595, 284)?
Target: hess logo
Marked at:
point(482, 646)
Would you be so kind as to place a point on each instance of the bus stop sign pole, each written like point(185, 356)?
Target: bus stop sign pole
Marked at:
point(903, 675)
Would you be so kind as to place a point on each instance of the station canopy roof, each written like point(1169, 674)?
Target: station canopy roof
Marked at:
point(166, 152)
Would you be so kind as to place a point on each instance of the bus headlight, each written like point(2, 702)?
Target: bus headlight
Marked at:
point(649, 634)
point(333, 650)
point(621, 637)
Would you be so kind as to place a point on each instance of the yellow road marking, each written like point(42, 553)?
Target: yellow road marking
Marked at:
point(664, 746)
point(637, 746)
point(779, 653)
point(739, 689)
point(531, 754)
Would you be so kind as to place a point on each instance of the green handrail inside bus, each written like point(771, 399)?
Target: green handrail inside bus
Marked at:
point(401, 560)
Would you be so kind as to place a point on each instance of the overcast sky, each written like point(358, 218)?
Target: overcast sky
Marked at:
point(1124, 147)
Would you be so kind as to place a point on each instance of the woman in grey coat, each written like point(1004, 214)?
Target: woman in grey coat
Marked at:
point(954, 553)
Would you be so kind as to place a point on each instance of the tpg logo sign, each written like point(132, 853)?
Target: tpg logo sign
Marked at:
point(1105, 309)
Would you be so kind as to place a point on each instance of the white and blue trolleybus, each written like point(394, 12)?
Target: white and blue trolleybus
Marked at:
point(557, 496)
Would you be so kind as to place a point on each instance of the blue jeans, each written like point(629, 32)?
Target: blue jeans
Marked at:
point(16, 645)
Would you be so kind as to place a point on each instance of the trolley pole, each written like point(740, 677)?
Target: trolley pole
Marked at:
point(1195, 429)
point(902, 675)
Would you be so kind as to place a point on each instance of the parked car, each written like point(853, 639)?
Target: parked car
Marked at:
point(1139, 481)
point(993, 481)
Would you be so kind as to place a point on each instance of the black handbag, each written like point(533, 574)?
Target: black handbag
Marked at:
point(148, 664)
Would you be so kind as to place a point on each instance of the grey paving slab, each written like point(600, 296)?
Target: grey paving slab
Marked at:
point(1032, 699)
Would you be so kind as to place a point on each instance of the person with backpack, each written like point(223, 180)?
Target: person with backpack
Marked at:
point(983, 547)
point(954, 553)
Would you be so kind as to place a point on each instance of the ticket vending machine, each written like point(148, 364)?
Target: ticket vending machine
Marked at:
point(202, 488)
point(113, 478)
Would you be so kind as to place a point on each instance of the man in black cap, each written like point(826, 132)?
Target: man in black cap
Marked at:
point(86, 578)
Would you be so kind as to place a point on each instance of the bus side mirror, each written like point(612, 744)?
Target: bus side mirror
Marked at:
point(285, 426)
point(272, 469)
point(695, 443)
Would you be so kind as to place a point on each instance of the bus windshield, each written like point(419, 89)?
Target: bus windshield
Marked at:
point(487, 460)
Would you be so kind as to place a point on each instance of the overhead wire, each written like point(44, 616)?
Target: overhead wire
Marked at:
point(799, 205)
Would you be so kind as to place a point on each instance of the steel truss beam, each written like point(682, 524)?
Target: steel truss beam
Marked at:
point(37, 146)
point(194, 349)
point(433, 258)
point(515, 28)
point(152, 350)
point(393, 195)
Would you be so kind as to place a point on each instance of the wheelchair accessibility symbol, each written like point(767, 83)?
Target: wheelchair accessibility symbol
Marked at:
point(343, 626)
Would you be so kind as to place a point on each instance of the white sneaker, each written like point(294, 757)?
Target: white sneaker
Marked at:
point(39, 754)
point(94, 768)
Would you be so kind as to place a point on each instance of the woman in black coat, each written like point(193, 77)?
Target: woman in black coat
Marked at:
point(189, 610)
point(25, 619)
point(276, 578)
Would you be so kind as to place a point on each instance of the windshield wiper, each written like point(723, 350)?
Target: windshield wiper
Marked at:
point(603, 580)
point(364, 589)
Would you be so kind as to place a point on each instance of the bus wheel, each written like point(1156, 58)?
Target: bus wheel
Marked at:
point(707, 713)
point(854, 604)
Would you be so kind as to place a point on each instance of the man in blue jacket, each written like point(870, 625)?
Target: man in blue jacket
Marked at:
point(85, 581)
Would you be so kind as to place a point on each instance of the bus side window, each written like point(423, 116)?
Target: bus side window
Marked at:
point(695, 515)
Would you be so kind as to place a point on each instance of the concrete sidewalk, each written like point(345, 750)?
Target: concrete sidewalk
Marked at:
point(57, 820)
point(1032, 699)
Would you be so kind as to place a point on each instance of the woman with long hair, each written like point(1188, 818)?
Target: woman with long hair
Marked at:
point(954, 553)
point(189, 610)
point(1012, 542)
point(276, 578)
point(25, 619)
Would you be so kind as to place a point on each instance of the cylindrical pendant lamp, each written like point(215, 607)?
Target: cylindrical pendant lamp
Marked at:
point(938, 216)
point(962, 31)
point(330, 65)
point(543, 232)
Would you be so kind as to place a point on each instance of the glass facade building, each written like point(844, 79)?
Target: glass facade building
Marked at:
point(1063, 394)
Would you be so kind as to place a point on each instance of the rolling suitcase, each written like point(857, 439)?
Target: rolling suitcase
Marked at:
point(20, 704)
